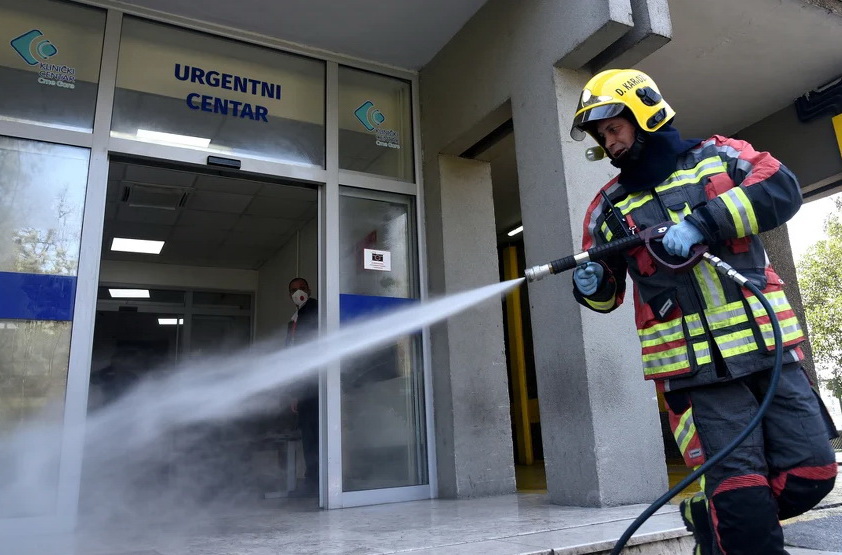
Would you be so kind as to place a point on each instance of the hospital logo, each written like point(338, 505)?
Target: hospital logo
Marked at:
point(33, 47)
point(372, 119)
point(369, 116)
point(36, 50)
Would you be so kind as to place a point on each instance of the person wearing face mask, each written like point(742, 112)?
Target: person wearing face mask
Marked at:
point(303, 326)
point(706, 342)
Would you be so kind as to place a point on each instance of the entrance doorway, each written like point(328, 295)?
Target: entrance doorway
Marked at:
point(204, 275)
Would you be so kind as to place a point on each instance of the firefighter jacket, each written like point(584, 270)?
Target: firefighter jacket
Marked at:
point(698, 327)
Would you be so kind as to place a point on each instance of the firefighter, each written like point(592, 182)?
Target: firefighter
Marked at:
point(706, 342)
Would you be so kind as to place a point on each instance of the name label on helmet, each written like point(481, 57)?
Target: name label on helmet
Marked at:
point(631, 83)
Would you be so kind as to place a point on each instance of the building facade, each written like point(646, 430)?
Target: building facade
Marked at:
point(383, 156)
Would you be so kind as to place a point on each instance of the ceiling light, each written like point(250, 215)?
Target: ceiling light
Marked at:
point(129, 293)
point(170, 321)
point(136, 245)
point(172, 138)
point(515, 231)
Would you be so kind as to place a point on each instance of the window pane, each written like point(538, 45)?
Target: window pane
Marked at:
point(49, 68)
point(375, 124)
point(42, 193)
point(33, 376)
point(218, 95)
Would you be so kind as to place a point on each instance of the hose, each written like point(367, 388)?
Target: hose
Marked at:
point(729, 272)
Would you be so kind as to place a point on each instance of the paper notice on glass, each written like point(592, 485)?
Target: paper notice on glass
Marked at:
point(377, 260)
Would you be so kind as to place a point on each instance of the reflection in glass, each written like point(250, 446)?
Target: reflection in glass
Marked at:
point(219, 95)
point(383, 431)
point(42, 192)
point(375, 124)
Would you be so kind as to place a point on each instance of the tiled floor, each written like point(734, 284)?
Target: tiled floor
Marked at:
point(505, 525)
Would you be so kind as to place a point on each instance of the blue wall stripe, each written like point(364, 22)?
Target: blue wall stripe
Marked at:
point(36, 296)
point(355, 306)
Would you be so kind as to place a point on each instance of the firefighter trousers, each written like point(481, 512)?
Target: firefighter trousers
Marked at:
point(782, 469)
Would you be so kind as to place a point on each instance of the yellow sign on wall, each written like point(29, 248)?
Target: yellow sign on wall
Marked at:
point(837, 128)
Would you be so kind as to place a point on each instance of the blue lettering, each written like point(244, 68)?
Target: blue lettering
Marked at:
point(240, 84)
point(197, 76)
point(267, 89)
point(190, 98)
point(226, 81)
point(278, 91)
point(260, 112)
point(207, 103)
point(220, 106)
point(254, 83)
point(212, 77)
point(235, 107)
point(178, 74)
point(247, 111)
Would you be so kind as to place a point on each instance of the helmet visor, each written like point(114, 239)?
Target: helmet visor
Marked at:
point(577, 131)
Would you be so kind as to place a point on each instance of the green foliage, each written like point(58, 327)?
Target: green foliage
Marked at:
point(820, 278)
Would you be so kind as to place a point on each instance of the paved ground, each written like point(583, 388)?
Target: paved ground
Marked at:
point(503, 525)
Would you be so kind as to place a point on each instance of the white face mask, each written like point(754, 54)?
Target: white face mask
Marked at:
point(299, 297)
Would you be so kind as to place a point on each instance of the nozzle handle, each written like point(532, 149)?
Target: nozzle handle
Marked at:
point(593, 254)
point(612, 247)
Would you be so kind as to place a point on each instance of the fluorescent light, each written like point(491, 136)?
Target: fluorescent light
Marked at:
point(170, 321)
point(515, 231)
point(136, 245)
point(129, 293)
point(186, 140)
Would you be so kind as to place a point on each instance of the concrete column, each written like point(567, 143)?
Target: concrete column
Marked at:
point(780, 253)
point(601, 432)
point(473, 425)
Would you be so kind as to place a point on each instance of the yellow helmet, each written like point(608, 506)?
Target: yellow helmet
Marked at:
point(609, 92)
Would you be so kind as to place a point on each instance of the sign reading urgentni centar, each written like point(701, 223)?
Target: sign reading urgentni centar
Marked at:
point(227, 81)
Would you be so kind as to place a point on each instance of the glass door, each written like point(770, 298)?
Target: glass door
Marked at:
point(42, 199)
point(382, 395)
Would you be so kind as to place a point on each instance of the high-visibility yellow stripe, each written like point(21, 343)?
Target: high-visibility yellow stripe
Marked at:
point(790, 330)
point(635, 200)
point(704, 168)
point(694, 324)
point(688, 438)
point(660, 327)
point(669, 353)
point(600, 305)
point(663, 339)
point(735, 215)
point(606, 231)
point(736, 343)
point(666, 368)
point(684, 430)
point(712, 291)
point(727, 315)
point(702, 352)
point(748, 208)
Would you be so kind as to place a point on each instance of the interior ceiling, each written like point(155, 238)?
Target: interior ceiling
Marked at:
point(205, 220)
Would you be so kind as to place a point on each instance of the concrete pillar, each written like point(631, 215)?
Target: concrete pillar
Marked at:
point(780, 253)
point(601, 432)
point(470, 387)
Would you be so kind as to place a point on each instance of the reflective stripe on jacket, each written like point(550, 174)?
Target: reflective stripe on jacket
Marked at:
point(700, 327)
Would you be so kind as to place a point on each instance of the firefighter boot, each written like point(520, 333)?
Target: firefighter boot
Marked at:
point(694, 513)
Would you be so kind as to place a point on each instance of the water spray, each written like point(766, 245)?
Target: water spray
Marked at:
point(651, 239)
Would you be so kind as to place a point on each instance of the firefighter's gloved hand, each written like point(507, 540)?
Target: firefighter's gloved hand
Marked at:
point(681, 237)
point(587, 277)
